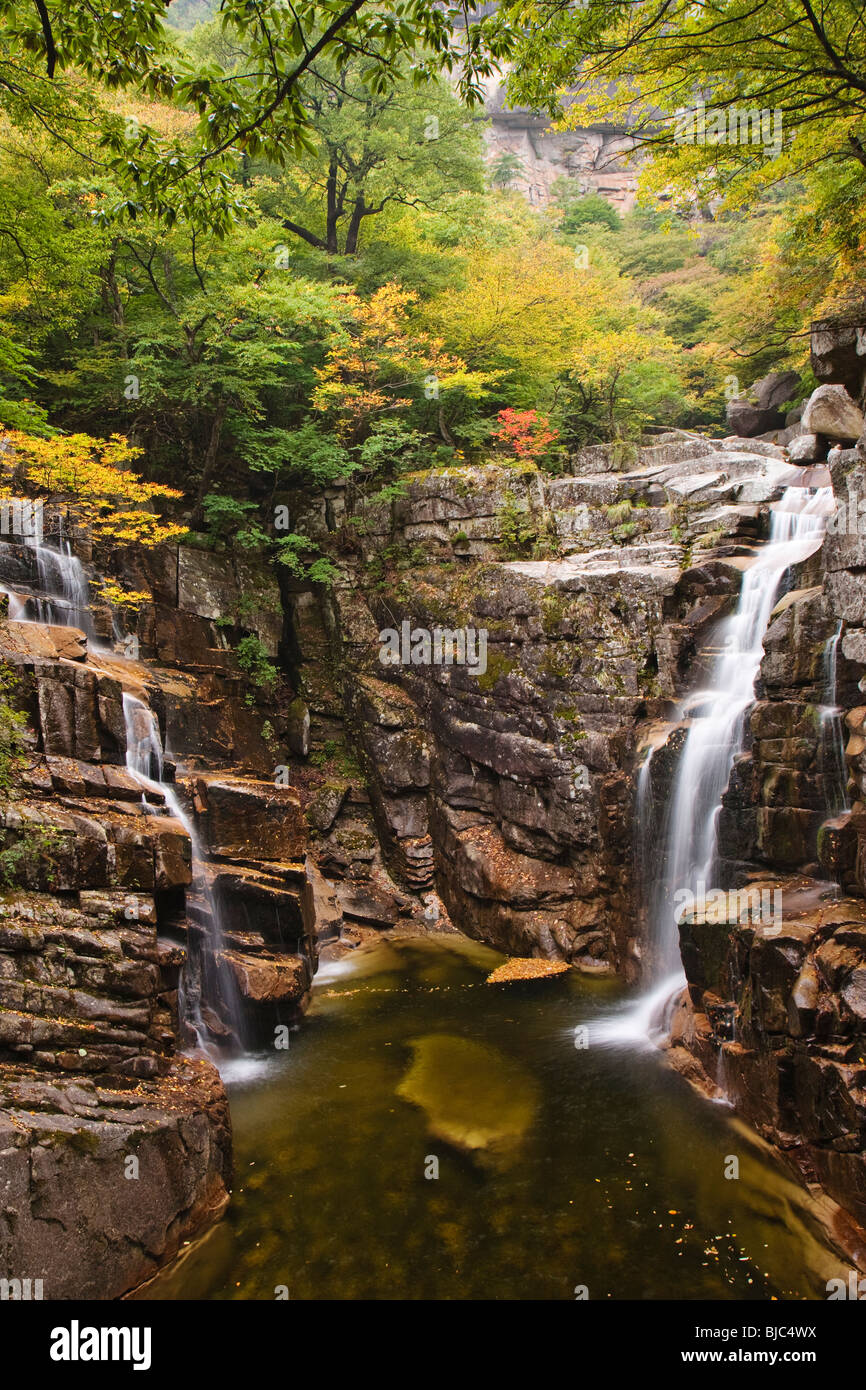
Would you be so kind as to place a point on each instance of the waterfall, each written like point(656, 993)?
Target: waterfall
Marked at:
point(145, 759)
point(63, 597)
point(834, 769)
point(683, 840)
point(63, 581)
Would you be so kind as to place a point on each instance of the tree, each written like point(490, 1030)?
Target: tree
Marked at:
point(401, 148)
point(204, 353)
point(109, 499)
point(689, 77)
point(585, 210)
point(50, 255)
point(380, 363)
point(255, 110)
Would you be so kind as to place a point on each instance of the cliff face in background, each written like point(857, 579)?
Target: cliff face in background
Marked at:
point(358, 796)
point(594, 157)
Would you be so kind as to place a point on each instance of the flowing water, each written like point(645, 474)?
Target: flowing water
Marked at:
point(834, 768)
point(202, 984)
point(61, 594)
point(681, 841)
point(429, 1136)
point(584, 1171)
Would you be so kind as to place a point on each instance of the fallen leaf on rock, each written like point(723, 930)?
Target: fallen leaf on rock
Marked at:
point(525, 968)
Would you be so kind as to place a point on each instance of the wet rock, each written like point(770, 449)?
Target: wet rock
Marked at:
point(298, 728)
point(65, 1148)
point(246, 817)
point(263, 980)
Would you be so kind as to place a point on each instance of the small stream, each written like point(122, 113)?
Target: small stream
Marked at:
point(558, 1166)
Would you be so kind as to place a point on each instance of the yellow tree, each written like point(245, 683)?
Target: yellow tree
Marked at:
point(111, 500)
point(545, 319)
point(380, 362)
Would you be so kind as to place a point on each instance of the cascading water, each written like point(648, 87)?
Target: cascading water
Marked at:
point(62, 577)
point(62, 596)
point(683, 846)
point(146, 761)
point(834, 769)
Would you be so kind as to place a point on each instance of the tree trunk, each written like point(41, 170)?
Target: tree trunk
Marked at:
point(359, 211)
point(443, 428)
point(209, 464)
point(333, 209)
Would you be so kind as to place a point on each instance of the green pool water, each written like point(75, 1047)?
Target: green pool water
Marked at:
point(558, 1168)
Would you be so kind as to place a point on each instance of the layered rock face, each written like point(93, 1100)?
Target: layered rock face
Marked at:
point(594, 158)
point(774, 1014)
point(509, 786)
point(118, 936)
point(512, 787)
point(774, 1019)
point(470, 704)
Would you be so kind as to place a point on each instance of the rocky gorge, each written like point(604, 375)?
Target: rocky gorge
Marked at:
point(186, 835)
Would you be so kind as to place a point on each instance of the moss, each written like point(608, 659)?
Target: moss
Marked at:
point(568, 712)
point(709, 539)
point(498, 666)
point(557, 663)
point(335, 755)
point(82, 1141)
point(517, 529)
point(554, 607)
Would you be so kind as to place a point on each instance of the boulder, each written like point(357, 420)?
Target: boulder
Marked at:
point(760, 411)
point(831, 411)
point(804, 448)
point(747, 420)
point(837, 353)
point(771, 392)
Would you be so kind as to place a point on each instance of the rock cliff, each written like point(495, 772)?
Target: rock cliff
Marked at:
point(149, 905)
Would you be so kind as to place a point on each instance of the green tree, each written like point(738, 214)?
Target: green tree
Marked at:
point(404, 147)
point(689, 76)
point(257, 109)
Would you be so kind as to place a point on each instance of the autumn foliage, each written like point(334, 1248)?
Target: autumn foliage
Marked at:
point(110, 499)
point(525, 433)
point(380, 362)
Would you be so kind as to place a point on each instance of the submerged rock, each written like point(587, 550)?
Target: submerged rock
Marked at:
point(473, 1096)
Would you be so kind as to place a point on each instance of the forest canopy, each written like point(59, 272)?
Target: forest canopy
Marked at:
point(265, 245)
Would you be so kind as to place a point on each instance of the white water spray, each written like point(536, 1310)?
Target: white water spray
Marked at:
point(834, 768)
point(683, 847)
point(146, 761)
point(62, 591)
